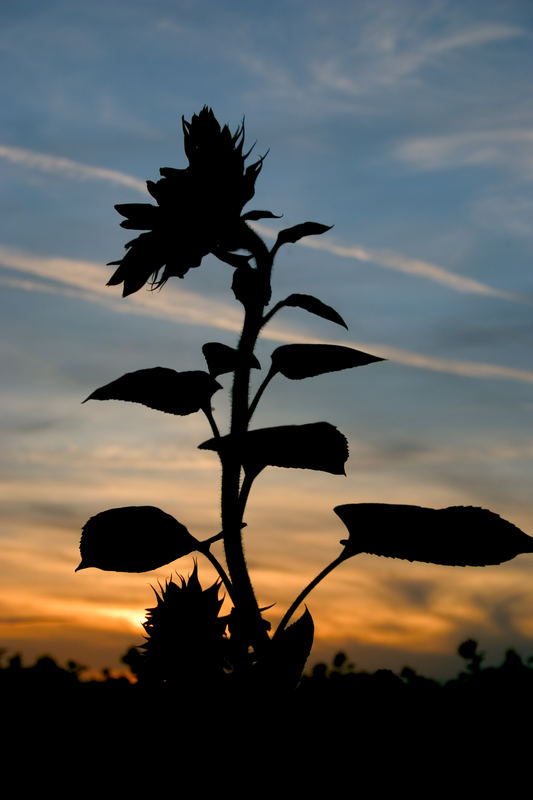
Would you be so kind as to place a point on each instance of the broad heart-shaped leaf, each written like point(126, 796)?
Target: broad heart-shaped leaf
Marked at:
point(457, 536)
point(162, 389)
point(221, 358)
point(314, 306)
point(299, 231)
point(318, 445)
point(133, 539)
point(282, 667)
point(297, 361)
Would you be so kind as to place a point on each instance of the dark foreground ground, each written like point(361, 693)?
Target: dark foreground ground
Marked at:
point(367, 734)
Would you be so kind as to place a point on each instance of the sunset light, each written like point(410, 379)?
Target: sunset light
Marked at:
point(406, 127)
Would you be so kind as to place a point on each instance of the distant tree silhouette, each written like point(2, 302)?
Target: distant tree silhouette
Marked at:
point(200, 210)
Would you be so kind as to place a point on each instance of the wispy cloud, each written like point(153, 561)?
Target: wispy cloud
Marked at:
point(512, 213)
point(392, 51)
point(401, 263)
point(87, 280)
point(382, 258)
point(512, 147)
point(68, 168)
point(470, 369)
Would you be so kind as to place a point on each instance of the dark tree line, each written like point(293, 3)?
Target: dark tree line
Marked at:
point(340, 680)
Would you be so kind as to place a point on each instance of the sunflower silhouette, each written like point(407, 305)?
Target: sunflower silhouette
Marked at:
point(198, 211)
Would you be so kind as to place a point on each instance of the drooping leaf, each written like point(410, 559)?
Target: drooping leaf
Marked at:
point(297, 361)
point(314, 306)
point(299, 231)
point(133, 539)
point(318, 445)
point(144, 259)
point(233, 259)
point(162, 389)
point(285, 661)
point(456, 536)
point(256, 214)
point(221, 358)
point(139, 216)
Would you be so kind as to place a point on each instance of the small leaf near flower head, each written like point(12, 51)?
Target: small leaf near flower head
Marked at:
point(297, 361)
point(318, 445)
point(133, 539)
point(249, 285)
point(455, 536)
point(140, 216)
point(314, 306)
point(162, 389)
point(233, 259)
point(221, 359)
point(254, 215)
point(299, 231)
point(142, 260)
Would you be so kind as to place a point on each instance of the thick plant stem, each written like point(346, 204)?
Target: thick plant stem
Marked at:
point(303, 594)
point(232, 510)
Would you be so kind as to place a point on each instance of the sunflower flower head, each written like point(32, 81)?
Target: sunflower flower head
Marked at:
point(198, 211)
point(185, 635)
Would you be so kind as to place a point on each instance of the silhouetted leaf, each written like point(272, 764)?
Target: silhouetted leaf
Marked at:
point(299, 231)
point(162, 389)
point(133, 539)
point(140, 216)
point(285, 661)
point(234, 259)
point(297, 361)
point(314, 306)
point(318, 445)
point(253, 215)
point(221, 359)
point(456, 536)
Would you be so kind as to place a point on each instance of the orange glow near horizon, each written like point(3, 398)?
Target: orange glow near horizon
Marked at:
point(370, 602)
point(369, 605)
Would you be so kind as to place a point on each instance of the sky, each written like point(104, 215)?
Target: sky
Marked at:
point(408, 126)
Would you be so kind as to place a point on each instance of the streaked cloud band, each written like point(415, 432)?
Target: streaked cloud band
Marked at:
point(401, 263)
point(68, 168)
point(382, 258)
point(86, 280)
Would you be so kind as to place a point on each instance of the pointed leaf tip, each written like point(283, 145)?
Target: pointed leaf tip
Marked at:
point(162, 389)
point(133, 539)
point(454, 536)
point(298, 361)
point(285, 661)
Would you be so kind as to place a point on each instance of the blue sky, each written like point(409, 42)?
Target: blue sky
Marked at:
point(406, 125)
